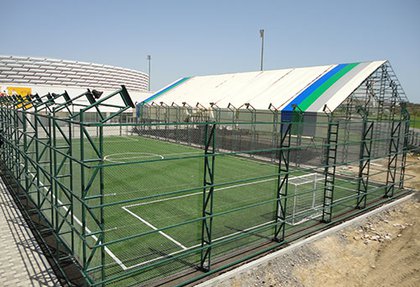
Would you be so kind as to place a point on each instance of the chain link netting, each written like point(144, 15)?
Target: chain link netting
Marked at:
point(141, 197)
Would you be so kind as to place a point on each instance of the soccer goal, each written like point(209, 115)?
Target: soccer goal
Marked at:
point(305, 198)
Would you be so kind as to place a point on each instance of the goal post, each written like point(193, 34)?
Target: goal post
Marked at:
point(305, 198)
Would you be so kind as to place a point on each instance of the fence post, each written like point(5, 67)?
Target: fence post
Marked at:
point(406, 121)
point(364, 159)
point(282, 180)
point(394, 143)
point(330, 166)
point(275, 135)
point(208, 189)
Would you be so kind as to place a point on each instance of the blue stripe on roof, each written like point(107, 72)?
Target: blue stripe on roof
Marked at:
point(315, 85)
point(161, 92)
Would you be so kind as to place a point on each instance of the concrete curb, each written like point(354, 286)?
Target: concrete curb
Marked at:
point(262, 260)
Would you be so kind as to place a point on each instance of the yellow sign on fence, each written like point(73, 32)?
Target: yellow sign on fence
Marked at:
point(23, 92)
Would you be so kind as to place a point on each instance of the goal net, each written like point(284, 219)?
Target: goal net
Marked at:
point(305, 198)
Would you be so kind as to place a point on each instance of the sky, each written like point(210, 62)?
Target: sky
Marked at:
point(188, 38)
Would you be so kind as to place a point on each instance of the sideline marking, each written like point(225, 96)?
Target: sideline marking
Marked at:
point(154, 228)
point(110, 253)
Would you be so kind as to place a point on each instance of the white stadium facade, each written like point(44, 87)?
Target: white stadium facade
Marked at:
point(31, 75)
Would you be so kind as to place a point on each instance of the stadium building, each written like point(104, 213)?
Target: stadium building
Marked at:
point(30, 75)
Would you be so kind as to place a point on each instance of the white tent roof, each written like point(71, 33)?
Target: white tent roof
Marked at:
point(310, 88)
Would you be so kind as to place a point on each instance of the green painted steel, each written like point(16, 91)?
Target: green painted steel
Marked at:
point(137, 203)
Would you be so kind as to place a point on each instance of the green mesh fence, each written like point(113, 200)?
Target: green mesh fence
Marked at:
point(182, 191)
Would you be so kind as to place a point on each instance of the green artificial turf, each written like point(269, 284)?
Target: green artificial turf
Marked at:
point(163, 167)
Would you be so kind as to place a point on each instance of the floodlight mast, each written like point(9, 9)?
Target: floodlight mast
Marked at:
point(262, 48)
point(149, 59)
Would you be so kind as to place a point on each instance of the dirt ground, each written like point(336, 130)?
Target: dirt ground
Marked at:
point(380, 250)
point(383, 251)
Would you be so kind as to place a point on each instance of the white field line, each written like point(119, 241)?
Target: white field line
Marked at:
point(217, 189)
point(126, 208)
point(114, 141)
point(129, 138)
point(119, 139)
point(197, 193)
point(197, 245)
point(184, 248)
point(113, 256)
point(135, 155)
point(155, 228)
point(146, 155)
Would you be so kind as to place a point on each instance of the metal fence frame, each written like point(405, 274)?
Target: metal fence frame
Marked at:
point(39, 134)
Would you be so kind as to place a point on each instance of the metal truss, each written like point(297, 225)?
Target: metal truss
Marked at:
point(330, 167)
point(208, 190)
point(364, 159)
point(282, 181)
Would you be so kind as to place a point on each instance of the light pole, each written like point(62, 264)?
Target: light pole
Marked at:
point(149, 59)
point(262, 47)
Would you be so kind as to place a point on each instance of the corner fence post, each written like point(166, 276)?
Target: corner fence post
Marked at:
point(282, 180)
point(208, 189)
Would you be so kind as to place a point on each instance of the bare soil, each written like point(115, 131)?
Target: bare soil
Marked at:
point(381, 250)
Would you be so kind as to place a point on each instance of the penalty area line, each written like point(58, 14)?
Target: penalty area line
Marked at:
point(198, 245)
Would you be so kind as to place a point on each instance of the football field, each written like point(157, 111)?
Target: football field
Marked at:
point(153, 200)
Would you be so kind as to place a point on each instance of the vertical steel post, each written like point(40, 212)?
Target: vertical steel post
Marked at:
point(54, 182)
point(235, 130)
point(70, 152)
point(52, 166)
point(297, 118)
point(37, 160)
point(394, 143)
point(329, 169)
point(253, 139)
point(364, 159)
point(275, 131)
point(16, 154)
point(25, 149)
point(82, 191)
point(2, 131)
point(347, 121)
point(177, 119)
point(282, 181)
point(101, 193)
point(208, 189)
point(406, 121)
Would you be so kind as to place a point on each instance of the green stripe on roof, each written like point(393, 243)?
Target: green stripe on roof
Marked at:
point(168, 88)
point(305, 104)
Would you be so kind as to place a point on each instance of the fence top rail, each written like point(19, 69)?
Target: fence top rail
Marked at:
point(123, 93)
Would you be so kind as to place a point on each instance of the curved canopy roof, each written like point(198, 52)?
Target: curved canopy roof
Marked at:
point(309, 88)
point(54, 72)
